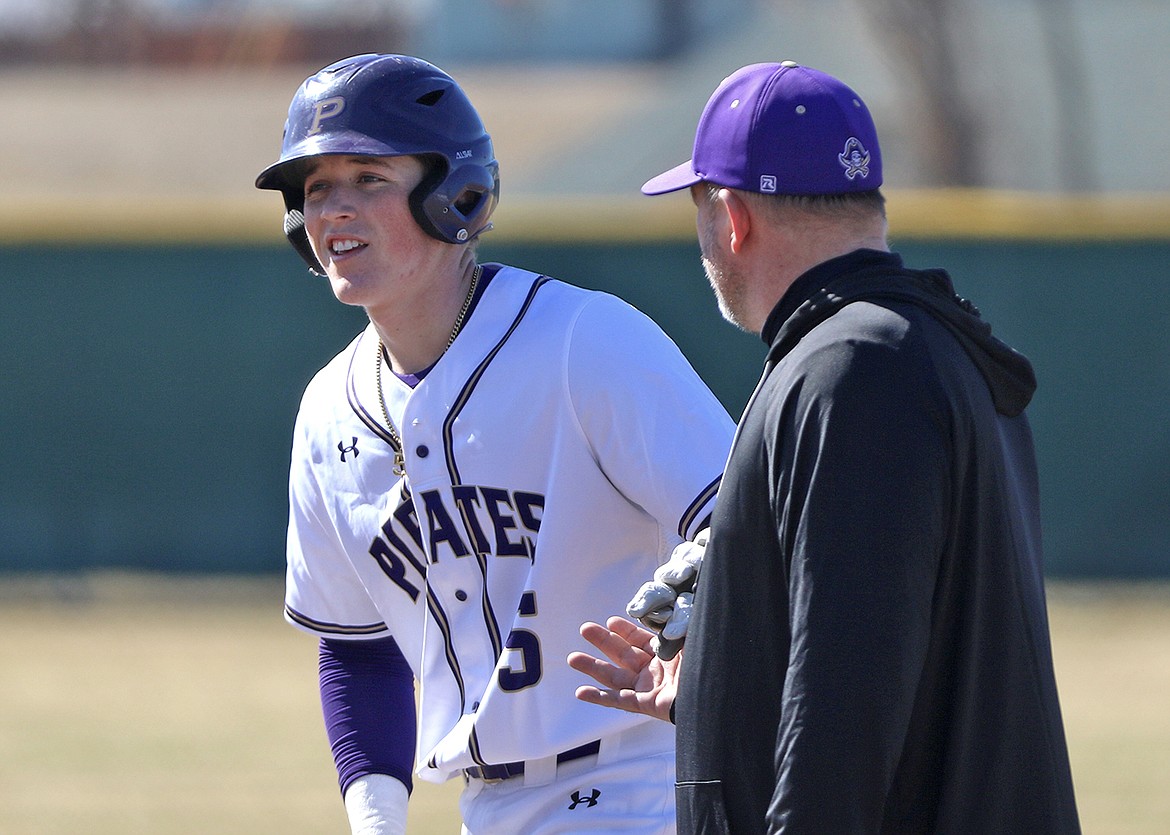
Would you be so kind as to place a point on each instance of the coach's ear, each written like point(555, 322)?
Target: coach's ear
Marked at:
point(739, 218)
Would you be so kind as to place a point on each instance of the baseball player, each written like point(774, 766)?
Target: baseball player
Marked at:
point(497, 457)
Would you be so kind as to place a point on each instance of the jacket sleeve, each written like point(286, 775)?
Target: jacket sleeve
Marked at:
point(863, 463)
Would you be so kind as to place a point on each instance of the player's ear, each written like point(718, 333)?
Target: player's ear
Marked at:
point(739, 218)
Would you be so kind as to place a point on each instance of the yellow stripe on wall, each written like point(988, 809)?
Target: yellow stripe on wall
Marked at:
point(986, 214)
point(914, 214)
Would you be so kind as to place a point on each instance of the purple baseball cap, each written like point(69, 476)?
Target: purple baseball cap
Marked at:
point(781, 129)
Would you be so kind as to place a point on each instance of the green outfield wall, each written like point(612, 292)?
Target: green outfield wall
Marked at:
point(149, 386)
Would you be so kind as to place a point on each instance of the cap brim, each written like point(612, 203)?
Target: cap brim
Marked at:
point(679, 177)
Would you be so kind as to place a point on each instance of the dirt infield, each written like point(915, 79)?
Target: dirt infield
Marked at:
point(185, 705)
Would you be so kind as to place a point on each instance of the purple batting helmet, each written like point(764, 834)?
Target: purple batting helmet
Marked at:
point(391, 105)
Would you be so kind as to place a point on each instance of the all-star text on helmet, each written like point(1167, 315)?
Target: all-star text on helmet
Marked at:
point(391, 105)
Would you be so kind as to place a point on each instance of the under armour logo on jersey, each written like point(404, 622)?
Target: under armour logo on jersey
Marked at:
point(855, 159)
point(343, 449)
point(589, 801)
point(325, 109)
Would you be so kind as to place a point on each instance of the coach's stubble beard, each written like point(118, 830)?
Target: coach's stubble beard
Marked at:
point(727, 284)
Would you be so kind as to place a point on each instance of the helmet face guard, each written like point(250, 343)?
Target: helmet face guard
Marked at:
point(391, 105)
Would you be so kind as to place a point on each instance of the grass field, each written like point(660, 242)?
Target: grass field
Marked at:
point(133, 704)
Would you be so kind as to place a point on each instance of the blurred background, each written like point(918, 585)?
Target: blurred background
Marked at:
point(156, 331)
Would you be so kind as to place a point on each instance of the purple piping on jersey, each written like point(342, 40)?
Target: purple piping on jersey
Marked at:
point(474, 750)
point(433, 606)
point(692, 512)
point(489, 615)
point(367, 697)
point(325, 627)
point(486, 274)
point(413, 380)
point(444, 625)
point(372, 423)
point(473, 381)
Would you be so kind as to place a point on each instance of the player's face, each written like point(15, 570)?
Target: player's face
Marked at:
point(725, 281)
point(359, 223)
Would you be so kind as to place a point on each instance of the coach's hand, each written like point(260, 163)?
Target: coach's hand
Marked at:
point(637, 681)
point(663, 605)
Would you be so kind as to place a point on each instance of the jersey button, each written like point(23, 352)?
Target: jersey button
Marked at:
point(460, 595)
point(422, 451)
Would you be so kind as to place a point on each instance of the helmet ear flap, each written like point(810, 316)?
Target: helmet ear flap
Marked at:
point(455, 206)
point(294, 230)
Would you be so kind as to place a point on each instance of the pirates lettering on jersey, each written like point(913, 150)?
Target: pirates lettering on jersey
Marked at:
point(491, 521)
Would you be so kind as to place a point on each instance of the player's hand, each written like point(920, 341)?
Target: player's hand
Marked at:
point(663, 605)
point(637, 680)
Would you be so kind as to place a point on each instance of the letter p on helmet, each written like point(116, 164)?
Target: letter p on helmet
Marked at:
point(325, 109)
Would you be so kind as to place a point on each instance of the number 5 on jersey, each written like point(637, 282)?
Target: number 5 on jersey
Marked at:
point(527, 645)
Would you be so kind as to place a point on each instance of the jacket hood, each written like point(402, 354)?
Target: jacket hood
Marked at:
point(880, 277)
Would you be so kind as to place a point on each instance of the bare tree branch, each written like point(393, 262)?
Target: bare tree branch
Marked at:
point(921, 37)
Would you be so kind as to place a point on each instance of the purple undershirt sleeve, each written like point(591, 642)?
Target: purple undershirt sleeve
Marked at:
point(367, 697)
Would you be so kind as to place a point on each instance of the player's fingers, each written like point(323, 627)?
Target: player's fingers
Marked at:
point(626, 700)
point(607, 698)
point(623, 646)
point(588, 628)
point(631, 634)
point(605, 674)
point(590, 694)
point(604, 639)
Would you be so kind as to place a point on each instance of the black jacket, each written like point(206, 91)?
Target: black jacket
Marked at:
point(869, 648)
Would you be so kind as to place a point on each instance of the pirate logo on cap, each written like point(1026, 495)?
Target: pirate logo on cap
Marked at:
point(855, 159)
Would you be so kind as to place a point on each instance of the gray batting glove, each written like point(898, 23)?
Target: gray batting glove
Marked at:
point(663, 605)
point(682, 569)
point(653, 604)
point(675, 629)
point(666, 650)
point(669, 641)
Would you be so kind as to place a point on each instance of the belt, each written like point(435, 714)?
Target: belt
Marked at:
point(503, 771)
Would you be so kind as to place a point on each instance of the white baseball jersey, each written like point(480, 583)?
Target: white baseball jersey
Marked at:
point(555, 455)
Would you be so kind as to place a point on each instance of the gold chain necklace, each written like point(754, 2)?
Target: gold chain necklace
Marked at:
point(395, 438)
